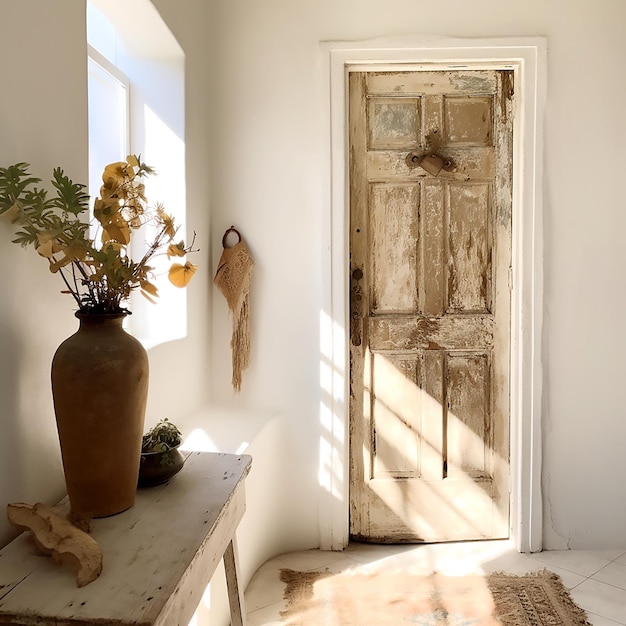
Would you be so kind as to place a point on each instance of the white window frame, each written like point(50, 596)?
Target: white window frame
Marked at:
point(95, 169)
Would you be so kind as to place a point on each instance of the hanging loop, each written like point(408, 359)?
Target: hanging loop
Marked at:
point(232, 229)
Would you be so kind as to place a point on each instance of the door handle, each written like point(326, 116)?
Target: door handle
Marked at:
point(356, 306)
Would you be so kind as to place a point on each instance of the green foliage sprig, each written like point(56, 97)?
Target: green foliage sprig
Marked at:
point(161, 437)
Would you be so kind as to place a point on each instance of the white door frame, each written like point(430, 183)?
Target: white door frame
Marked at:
point(527, 58)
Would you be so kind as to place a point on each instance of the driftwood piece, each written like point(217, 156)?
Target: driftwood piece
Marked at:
point(57, 536)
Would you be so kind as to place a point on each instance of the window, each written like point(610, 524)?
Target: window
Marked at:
point(136, 105)
point(108, 117)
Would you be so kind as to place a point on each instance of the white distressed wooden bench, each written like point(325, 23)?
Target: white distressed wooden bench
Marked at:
point(158, 557)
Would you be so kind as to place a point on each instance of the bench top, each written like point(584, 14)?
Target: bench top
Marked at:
point(158, 556)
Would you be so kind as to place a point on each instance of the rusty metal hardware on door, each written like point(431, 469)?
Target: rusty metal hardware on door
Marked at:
point(429, 161)
point(356, 306)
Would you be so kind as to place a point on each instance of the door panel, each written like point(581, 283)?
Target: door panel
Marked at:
point(468, 248)
point(430, 305)
point(393, 226)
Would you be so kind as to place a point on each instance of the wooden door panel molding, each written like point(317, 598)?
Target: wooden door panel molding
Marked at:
point(429, 392)
point(393, 123)
point(467, 121)
point(435, 83)
point(392, 236)
point(468, 247)
point(468, 406)
point(451, 332)
point(474, 163)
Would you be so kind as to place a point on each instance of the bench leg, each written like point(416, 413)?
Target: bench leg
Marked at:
point(233, 582)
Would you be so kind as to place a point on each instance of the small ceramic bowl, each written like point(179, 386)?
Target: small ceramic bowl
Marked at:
point(157, 468)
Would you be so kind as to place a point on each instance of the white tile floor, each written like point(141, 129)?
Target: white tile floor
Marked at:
point(597, 579)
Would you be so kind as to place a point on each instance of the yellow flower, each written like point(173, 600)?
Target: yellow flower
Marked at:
point(167, 221)
point(48, 248)
point(176, 249)
point(116, 229)
point(76, 251)
point(180, 275)
point(140, 191)
point(14, 213)
point(114, 174)
point(55, 266)
point(148, 290)
point(103, 209)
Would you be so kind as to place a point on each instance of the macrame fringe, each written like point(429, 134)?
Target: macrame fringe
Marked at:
point(233, 277)
point(240, 343)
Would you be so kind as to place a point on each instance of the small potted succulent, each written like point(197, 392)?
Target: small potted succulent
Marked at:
point(160, 457)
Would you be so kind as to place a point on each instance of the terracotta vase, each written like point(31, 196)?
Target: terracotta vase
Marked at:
point(100, 387)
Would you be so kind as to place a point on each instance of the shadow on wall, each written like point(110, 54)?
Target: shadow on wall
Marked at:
point(30, 457)
point(12, 477)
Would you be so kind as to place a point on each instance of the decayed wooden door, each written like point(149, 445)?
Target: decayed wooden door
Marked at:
point(430, 304)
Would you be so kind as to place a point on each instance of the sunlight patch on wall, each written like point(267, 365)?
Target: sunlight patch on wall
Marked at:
point(167, 320)
point(199, 441)
point(332, 438)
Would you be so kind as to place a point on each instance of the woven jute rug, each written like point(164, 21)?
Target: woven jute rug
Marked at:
point(398, 599)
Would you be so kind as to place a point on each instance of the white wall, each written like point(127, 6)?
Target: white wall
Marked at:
point(268, 165)
point(42, 128)
point(254, 127)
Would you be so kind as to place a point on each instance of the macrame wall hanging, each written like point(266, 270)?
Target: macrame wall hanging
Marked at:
point(233, 275)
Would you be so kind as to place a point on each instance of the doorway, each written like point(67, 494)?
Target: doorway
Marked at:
point(430, 260)
point(526, 57)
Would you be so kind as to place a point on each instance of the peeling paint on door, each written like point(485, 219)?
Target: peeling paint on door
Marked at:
point(429, 390)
